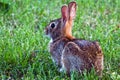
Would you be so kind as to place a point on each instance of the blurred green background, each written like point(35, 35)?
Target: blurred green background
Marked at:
point(24, 47)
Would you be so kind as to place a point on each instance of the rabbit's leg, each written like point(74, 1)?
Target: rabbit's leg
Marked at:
point(65, 65)
point(99, 65)
point(99, 60)
point(70, 58)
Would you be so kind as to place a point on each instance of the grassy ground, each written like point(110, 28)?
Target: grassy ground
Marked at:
point(23, 45)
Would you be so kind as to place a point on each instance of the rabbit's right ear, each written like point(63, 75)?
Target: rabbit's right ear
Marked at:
point(64, 12)
point(72, 10)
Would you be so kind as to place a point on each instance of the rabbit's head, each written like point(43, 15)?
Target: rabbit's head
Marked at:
point(62, 27)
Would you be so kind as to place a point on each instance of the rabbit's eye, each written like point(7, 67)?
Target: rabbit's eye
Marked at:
point(52, 25)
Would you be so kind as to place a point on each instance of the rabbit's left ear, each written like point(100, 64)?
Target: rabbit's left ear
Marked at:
point(64, 12)
point(72, 10)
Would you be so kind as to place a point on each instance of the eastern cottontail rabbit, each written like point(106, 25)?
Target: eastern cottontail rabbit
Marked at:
point(69, 53)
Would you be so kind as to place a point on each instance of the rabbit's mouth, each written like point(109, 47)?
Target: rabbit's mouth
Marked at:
point(46, 31)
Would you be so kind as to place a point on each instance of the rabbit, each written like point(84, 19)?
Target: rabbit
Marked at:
point(68, 52)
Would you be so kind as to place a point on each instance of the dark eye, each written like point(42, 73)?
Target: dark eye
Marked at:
point(52, 25)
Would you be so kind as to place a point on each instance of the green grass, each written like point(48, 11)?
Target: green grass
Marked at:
point(24, 47)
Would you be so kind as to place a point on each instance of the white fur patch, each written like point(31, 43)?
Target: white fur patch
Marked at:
point(49, 44)
point(63, 66)
point(51, 40)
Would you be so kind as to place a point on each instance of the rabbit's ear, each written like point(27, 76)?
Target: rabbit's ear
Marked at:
point(64, 12)
point(72, 10)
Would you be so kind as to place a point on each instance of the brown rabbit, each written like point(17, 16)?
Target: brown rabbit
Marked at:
point(69, 53)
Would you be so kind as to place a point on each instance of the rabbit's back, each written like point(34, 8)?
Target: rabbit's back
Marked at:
point(81, 54)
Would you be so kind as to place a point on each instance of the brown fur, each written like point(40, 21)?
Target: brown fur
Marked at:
point(68, 30)
point(69, 53)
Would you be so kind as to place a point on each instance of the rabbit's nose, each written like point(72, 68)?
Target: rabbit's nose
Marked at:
point(46, 31)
